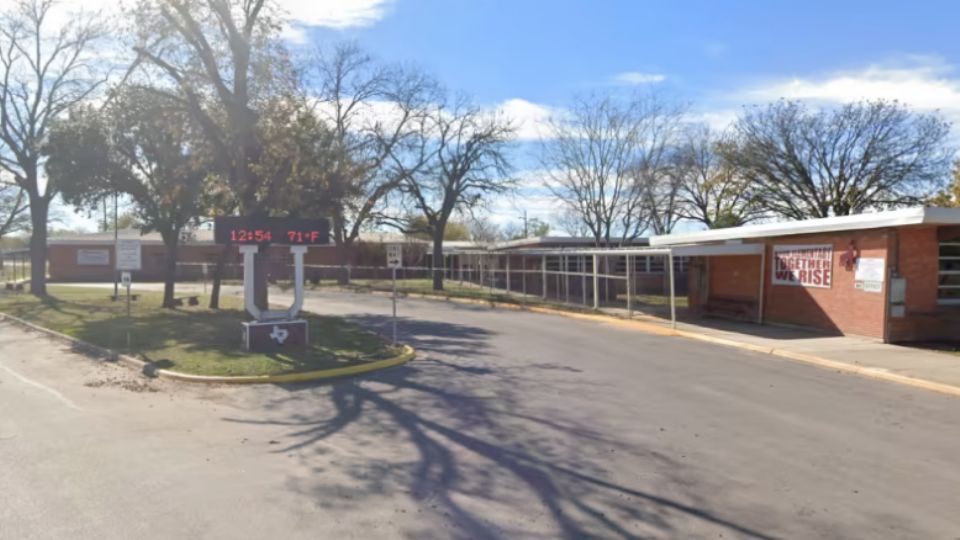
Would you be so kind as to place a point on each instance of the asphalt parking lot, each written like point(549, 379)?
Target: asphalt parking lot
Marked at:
point(508, 425)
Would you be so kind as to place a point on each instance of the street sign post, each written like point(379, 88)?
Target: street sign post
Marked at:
point(394, 261)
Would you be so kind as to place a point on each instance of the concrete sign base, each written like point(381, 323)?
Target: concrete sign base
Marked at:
point(275, 336)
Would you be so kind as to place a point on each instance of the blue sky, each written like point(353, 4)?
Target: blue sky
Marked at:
point(532, 57)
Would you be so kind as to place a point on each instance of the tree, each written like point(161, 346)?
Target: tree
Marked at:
point(417, 227)
point(712, 191)
point(221, 61)
point(608, 164)
point(371, 109)
point(457, 159)
point(44, 72)
point(14, 216)
point(834, 162)
point(950, 196)
point(144, 147)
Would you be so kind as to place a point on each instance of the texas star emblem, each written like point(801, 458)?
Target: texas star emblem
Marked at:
point(279, 334)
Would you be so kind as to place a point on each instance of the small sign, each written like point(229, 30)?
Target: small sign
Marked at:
point(93, 257)
point(803, 265)
point(128, 255)
point(125, 279)
point(869, 275)
point(394, 255)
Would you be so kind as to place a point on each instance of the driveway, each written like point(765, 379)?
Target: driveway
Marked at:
point(509, 425)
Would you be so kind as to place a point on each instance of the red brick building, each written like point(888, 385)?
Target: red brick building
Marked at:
point(893, 275)
point(90, 257)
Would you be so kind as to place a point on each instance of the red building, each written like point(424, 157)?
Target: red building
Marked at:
point(890, 275)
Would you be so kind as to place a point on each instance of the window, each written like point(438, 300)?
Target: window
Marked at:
point(948, 284)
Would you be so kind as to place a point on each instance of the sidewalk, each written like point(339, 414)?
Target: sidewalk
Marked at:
point(855, 354)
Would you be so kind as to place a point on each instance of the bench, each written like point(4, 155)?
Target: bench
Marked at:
point(133, 297)
point(732, 306)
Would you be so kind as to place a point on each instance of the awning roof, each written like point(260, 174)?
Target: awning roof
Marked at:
point(876, 220)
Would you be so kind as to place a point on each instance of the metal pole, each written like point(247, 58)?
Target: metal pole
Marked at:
point(394, 305)
point(583, 280)
point(596, 285)
point(629, 287)
point(543, 265)
point(523, 275)
point(763, 274)
point(508, 274)
point(673, 296)
point(116, 238)
point(566, 278)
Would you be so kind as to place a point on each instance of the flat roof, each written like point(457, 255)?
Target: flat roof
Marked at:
point(558, 241)
point(877, 220)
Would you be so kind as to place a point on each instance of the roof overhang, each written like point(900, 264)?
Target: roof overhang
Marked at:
point(877, 220)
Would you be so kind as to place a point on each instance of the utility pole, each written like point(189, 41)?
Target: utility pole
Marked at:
point(116, 237)
point(526, 231)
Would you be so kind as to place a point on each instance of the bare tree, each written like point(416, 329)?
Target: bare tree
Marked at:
point(833, 162)
point(220, 61)
point(457, 159)
point(14, 215)
point(45, 71)
point(609, 162)
point(569, 221)
point(713, 192)
point(371, 108)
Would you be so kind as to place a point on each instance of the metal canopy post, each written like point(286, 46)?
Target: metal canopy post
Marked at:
point(508, 274)
point(523, 275)
point(596, 284)
point(763, 265)
point(583, 280)
point(629, 287)
point(566, 278)
point(673, 295)
point(543, 273)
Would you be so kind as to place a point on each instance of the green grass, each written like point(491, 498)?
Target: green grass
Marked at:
point(190, 339)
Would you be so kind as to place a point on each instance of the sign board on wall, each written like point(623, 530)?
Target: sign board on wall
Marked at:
point(128, 255)
point(869, 275)
point(803, 265)
point(394, 255)
point(93, 257)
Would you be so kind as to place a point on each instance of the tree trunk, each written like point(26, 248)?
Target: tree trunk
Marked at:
point(170, 273)
point(218, 276)
point(437, 261)
point(343, 273)
point(39, 208)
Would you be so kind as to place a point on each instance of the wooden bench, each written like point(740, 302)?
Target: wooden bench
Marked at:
point(133, 297)
point(732, 306)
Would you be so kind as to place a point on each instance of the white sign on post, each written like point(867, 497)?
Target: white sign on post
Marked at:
point(125, 279)
point(394, 255)
point(128, 255)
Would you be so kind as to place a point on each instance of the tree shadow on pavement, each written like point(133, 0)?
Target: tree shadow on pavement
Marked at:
point(483, 448)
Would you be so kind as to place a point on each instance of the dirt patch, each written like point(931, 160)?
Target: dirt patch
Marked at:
point(132, 385)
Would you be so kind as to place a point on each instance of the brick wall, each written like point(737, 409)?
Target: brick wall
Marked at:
point(840, 308)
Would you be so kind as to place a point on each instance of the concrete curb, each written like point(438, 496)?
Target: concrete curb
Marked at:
point(407, 355)
point(864, 371)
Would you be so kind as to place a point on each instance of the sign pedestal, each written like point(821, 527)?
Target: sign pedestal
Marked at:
point(271, 330)
point(274, 336)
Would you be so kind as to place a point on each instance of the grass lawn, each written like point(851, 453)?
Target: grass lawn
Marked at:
point(192, 340)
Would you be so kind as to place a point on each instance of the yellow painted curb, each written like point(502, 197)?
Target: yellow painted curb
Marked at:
point(865, 371)
point(407, 355)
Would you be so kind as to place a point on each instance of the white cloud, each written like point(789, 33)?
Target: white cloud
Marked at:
point(338, 14)
point(925, 84)
point(638, 78)
point(530, 119)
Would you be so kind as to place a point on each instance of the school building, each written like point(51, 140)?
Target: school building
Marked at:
point(891, 275)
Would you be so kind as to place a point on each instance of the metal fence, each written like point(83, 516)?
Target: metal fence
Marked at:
point(618, 281)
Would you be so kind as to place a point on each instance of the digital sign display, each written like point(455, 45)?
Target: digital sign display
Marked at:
point(282, 231)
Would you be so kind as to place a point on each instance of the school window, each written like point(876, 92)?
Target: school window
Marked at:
point(948, 284)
